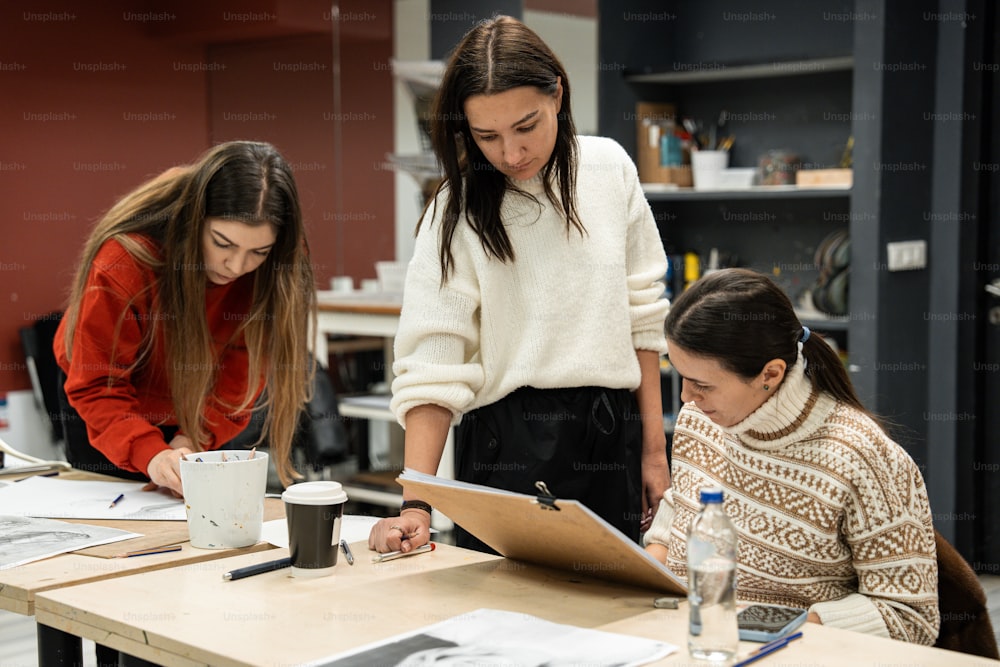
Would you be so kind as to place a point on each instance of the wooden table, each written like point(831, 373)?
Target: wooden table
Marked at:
point(20, 586)
point(189, 616)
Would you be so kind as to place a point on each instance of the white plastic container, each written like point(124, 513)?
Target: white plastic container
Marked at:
point(391, 276)
point(706, 168)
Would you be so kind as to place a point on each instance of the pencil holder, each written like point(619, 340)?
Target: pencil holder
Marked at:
point(224, 497)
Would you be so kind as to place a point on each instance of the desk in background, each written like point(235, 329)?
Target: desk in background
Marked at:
point(190, 616)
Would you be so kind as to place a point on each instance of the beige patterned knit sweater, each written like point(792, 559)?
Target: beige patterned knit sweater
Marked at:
point(832, 515)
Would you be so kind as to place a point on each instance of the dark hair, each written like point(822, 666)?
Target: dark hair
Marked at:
point(496, 55)
point(743, 320)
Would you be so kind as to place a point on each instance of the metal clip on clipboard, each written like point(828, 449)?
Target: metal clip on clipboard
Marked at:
point(545, 499)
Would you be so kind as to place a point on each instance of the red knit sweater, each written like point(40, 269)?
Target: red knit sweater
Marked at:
point(122, 419)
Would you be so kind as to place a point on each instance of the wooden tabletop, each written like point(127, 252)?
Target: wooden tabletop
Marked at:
point(19, 585)
point(191, 616)
point(371, 303)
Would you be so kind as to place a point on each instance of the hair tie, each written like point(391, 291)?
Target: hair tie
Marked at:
point(805, 334)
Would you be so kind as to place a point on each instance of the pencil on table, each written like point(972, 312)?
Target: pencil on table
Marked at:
point(150, 551)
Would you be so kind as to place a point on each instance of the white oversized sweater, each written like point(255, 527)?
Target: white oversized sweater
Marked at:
point(831, 514)
point(570, 310)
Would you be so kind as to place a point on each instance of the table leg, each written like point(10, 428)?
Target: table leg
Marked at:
point(57, 648)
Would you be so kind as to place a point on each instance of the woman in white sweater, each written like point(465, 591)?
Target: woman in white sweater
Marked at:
point(832, 515)
point(533, 308)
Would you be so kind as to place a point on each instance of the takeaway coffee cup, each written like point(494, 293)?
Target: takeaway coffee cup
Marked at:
point(315, 511)
point(224, 498)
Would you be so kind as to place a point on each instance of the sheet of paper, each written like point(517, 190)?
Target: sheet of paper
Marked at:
point(54, 498)
point(26, 539)
point(493, 637)
point(353, 528)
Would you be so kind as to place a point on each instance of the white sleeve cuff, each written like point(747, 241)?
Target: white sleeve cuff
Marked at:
point(659, 532)
point(855, 612)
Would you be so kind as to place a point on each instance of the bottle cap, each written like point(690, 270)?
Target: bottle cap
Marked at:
point(712, 494)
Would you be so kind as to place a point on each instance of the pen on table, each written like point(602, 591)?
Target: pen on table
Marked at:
point(392, 555)
point(347, 552)
point(780, 640)
point(768, 649)
point(150, 552)
point(259, 568)
point(115, 501)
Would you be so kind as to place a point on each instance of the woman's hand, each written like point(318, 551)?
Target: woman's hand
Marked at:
point(165, 468)
point(401, 533)
point(655, 471)
point(180, 441)
point(655, 481)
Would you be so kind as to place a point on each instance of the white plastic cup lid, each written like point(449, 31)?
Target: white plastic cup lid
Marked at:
point(315, 493)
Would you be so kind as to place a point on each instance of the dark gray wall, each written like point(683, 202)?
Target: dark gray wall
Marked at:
point(894, 78)
point(451, 19)
point(912, 335)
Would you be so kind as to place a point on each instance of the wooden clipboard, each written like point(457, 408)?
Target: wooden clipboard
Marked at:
point(561, 534)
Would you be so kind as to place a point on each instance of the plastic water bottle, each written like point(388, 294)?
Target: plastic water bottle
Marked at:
point(711, 561)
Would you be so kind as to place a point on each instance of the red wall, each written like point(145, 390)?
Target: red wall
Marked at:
point(95, 100)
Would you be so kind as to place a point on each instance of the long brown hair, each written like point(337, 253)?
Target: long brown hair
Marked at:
point(245, 181)
point(496, 55)
point(743, 320)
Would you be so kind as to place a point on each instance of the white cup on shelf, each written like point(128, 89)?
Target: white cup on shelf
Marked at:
point(706, 168)
point(342, 284)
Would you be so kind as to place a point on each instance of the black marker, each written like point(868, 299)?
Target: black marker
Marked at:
point(259, 568)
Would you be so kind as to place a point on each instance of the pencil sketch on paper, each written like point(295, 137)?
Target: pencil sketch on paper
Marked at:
point(491, 637)
point(25, 539)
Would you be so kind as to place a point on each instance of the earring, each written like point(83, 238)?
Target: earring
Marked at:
point(767, 388)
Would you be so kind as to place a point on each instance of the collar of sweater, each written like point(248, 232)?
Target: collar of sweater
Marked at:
point(531, 185)
point(524, 205)
point(795, 410)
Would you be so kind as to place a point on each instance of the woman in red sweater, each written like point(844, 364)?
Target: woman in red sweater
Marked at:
point(193, 293)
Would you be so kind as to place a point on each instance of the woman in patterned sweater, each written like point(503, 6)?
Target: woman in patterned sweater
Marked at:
point(832, 515)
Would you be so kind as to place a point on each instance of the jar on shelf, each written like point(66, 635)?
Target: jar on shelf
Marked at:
point(778, 167)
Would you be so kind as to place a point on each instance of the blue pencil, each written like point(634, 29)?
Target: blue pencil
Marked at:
point(768, 649)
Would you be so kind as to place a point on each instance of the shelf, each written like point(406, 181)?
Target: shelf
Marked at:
point(373, 406)
point(363, 494)
point(708, 72)
point(375, 487)
point(655, 193)
point(820, 323)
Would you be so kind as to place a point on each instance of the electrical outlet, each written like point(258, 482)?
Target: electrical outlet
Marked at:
point(907, 255)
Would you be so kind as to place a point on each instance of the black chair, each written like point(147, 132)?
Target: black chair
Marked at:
point(37, 342)
point(965, 618)
point(320, 438)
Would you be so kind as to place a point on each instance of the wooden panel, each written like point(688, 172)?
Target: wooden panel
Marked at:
point(571, 538)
